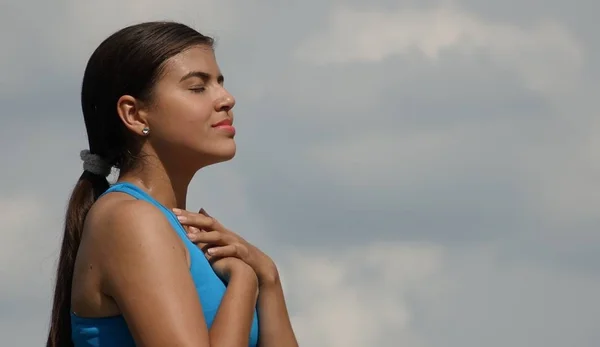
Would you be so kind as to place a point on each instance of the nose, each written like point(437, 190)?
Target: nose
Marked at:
point(225, 103)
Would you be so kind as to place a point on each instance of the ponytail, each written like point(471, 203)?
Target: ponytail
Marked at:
point(87, 190)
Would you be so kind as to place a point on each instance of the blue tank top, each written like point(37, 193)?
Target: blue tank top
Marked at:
point(113, 331)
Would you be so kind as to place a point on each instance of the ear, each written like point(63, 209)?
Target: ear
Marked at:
point(132, 114)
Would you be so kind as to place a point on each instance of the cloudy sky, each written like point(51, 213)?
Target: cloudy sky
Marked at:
point(424, 172)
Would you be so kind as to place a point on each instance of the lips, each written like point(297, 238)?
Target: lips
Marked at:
point(224, 122)
point(225, 125)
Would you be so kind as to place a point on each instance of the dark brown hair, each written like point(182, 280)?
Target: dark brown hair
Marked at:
point(129, 62)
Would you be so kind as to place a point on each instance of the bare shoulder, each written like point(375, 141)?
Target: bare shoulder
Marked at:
point(124, 230)
point(119, 210)
point(115, 224)
point(118, 219)
point(144, 261)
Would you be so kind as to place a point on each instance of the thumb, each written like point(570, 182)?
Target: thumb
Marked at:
point(203, 212)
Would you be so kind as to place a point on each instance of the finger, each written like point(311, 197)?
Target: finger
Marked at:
point(208, 237)
point(193, 230)
point(217, 224)
point(231, 250)
point(194, 219)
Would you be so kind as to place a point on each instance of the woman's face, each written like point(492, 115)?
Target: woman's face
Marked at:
point(191, 113)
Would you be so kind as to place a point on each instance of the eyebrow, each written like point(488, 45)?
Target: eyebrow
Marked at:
point(202, 75)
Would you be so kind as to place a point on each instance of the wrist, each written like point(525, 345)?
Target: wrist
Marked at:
point(244, 273)
point(245, 280)
point(269, 277)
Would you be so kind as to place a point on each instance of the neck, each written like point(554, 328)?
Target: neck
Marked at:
point(169, 187)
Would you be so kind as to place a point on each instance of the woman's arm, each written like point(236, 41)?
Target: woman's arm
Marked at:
point(275, 328)
point(237, 306)
point(274, 321)
point(144, 268)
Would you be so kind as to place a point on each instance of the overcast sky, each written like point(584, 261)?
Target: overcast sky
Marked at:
point(424, 172)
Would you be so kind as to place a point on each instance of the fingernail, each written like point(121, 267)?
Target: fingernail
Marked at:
point(211, 251)
point(190, 235)
point(182, 218)
point(176, 211)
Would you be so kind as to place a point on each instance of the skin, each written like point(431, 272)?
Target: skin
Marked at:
point(129, 255)
point(220, 243)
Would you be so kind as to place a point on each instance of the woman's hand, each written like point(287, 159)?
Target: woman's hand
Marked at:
point(220, 243)
point(229, 267)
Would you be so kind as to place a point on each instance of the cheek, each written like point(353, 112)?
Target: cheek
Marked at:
point(186, 113)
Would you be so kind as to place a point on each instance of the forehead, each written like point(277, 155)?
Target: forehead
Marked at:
point(198, 58)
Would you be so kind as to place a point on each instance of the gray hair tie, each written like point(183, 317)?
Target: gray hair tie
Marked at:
point(95, 164)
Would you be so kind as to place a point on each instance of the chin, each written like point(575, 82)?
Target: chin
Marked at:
point(228, 156)
point(224, 152)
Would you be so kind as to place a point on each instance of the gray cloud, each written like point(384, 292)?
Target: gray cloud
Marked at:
point(442, 201)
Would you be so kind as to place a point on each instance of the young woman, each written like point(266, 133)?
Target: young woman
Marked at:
point(135, 267)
